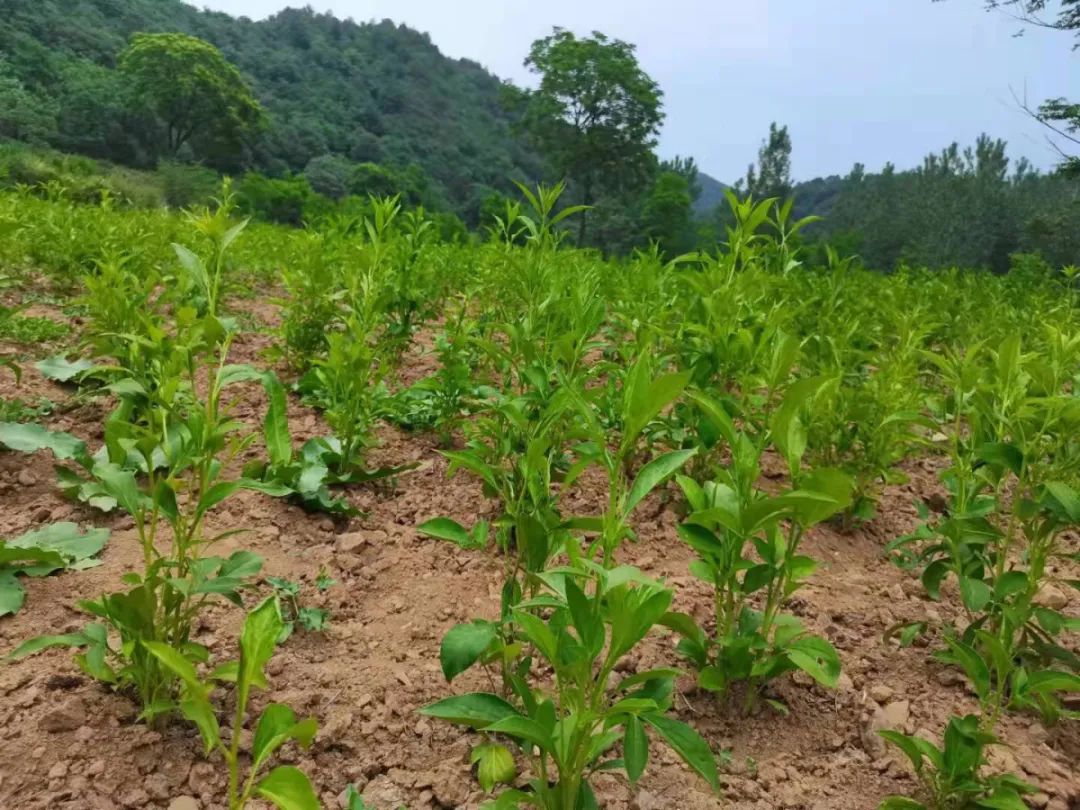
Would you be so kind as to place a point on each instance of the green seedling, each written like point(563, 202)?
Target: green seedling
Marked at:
point(730, 521)
point(952, 776)
point(310, 619)
point(581, 625)
point(284, 786)
point(38, 553)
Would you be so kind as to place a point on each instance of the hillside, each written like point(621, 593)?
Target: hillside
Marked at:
point(712, 194)
point(369, 92)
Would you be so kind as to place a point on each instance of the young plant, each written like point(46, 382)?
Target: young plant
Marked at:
point(310, 619)
point(1009, 420)
point(728, 518)
point(284, 786)
point(38, 553)
point(306, 476)
point(167, 461)
point(439, 402)
point(952, 776)
point(571, 729)
point(640, 399)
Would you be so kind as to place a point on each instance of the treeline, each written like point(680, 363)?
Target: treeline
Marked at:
point(962, 207)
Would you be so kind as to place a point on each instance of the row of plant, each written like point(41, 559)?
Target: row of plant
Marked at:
point(777, 397)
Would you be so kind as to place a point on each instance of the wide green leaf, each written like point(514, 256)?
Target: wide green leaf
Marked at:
point(288, 788)
point(653, 474)
point(689, 745)
point(477, 709)
point(29, 438)
point(463, 645)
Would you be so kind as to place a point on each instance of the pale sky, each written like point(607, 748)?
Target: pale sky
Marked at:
point(855, 80)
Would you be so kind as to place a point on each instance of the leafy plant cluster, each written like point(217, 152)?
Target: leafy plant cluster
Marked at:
point(757, 394)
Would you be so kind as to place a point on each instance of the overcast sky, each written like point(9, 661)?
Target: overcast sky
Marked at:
point(855, 80)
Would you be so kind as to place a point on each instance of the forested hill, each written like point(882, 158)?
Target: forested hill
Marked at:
point(380, 93)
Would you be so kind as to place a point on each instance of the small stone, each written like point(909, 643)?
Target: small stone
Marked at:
point(1038, 800)
point(26, 478)
point(881, 693)
point(644, 800)
point(184, 803)
point(1050, 596)
point(898, 713)
point(67, 717)
point(202, 778)
point(844, 683)
point(157, 786)
point(58, 771)
point(384, 792)
point(135, 797)
point(350, 543)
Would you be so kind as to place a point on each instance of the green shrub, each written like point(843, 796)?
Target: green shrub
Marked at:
point(185, 185)
point(280, 200)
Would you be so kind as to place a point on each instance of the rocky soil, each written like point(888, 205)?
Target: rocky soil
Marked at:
point(67, 743)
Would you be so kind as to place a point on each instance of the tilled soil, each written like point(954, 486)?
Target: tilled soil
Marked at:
point(67, 742)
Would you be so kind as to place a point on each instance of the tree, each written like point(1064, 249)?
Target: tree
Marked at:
point(666, 214)
point(330, 175)
point(192, 89)
point(22, 114)
point(773, 175)
point(688, 169)
point(595, 115)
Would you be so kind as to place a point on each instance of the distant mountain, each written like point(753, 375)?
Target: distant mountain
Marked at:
point(712, 194)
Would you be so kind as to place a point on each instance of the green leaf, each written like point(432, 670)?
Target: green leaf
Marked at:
point(39, 643)
point(277, 725)
point(477, 709)
point(276, 424)
point(975, 593)
point(198, 710)
point(649, 397)
point(288, 788)
point(635, 748)
point(12, 594)
point(61, 369)
point(522, 728)
point(257, 641)
point(29, 438)
point(495, 765)
point(816, 657)
point(443, 528)
point(1065, 495)
point(1048, 680)
point(652, 474)
point(180, 666)
point(689, 745)
point(463, 645)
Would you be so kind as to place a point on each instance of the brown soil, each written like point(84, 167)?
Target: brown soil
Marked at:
point(66, 742)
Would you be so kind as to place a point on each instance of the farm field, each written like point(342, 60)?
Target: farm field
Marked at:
point(514, 523)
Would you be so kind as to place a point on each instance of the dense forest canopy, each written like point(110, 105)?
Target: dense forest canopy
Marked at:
point(372, 93)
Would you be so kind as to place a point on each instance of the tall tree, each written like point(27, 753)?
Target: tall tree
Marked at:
point(193, 90)
point(596, 113)
point(688, 169)
point(772, 177)
point(666, 213)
